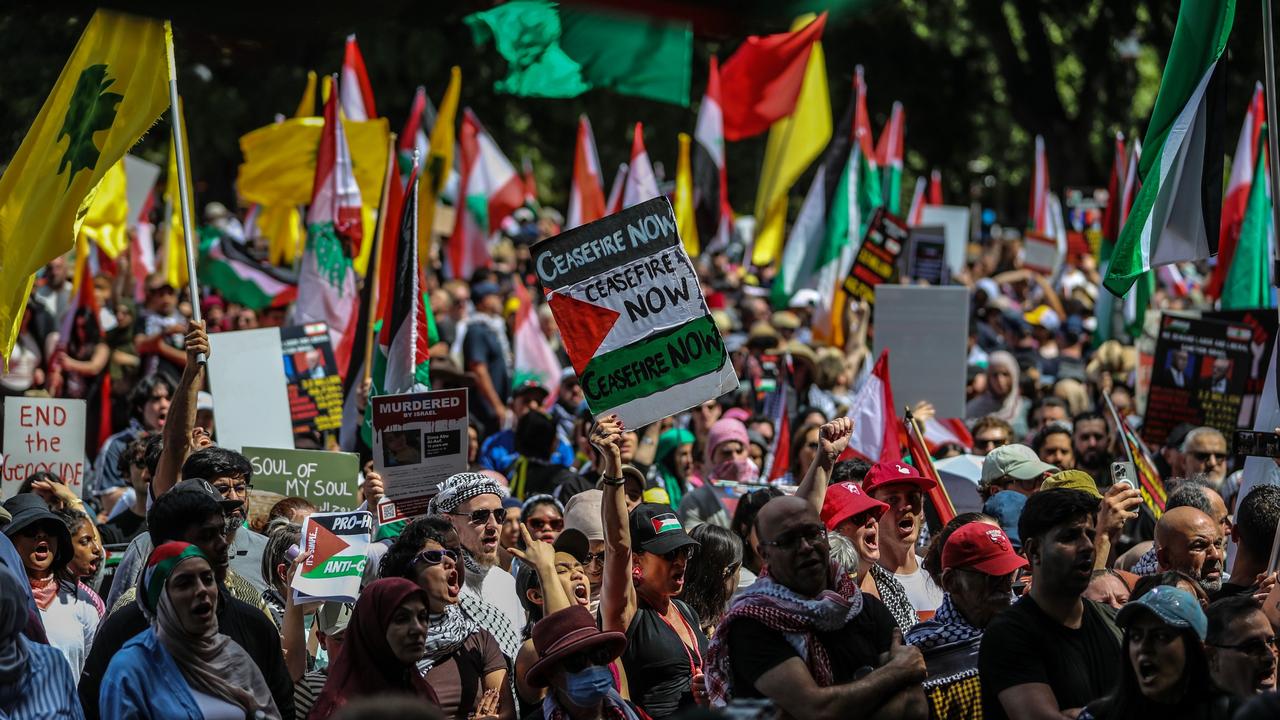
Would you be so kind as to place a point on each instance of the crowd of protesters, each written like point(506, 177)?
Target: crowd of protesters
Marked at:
point(586, 569)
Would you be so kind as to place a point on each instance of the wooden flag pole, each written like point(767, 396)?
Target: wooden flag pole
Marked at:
point(913, 427)
point(375, 258)
point(180, 149)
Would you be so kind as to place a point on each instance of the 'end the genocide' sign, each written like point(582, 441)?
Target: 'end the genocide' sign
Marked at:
point(632, 317)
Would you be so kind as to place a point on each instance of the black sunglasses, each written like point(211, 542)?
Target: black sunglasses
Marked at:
point(481, 517)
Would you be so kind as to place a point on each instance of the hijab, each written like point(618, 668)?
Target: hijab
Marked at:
point(365, 664)
point(211, 662)
point(1006, 408)
point(668, 443)
point(13, 651)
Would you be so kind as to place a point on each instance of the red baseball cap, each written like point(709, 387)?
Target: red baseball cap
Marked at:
point(845, 500)
point(892, 473)
point(982, 547)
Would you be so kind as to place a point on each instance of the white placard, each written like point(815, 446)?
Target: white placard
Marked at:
point(955, 221)
point(43, 434)
point(1040, 253)
point(926, 330)
point(140, 179)
point(250, 395)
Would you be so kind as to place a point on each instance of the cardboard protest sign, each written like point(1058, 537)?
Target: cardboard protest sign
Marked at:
point(327, 479)
point(338, 543)
point(315, 387)
point(955, 221)
point(926, 330)
point(1263, 324)
point(927, 255)
point(250, 399)
point(632, 317)
point(419, 439)
point(877, 258)
point(1201, 368)
point(1040, 253)
point(43, 435)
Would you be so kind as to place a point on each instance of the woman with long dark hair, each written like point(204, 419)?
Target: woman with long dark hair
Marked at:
point(711, 577)
point(1164, 672)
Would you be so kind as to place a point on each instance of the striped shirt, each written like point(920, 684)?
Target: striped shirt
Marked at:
point(48, 690)
point(306, 690)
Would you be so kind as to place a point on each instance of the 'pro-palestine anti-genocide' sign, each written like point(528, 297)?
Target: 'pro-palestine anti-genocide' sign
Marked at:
point(632, 317)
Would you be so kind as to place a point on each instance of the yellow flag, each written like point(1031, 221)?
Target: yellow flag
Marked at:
point(307, 105)
point(794, 142)
point(175, 247)
point(686, 223)
point(438, 163)
point(107, 222)
point(111, 90)
point(282, 226)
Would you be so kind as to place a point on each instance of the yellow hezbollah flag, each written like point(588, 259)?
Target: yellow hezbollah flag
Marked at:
point(794, 142)
point(686, 224)
point(438, 163)
point(280, 166)
point(175, 247)
point(307, 105)
point(111, 90)
point(107, 221)
point(282, 224)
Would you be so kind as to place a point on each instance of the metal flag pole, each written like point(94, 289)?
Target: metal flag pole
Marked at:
point(180, 150)
point(375, 256)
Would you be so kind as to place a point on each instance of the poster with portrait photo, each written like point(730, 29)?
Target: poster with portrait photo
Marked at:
point(1200, 374)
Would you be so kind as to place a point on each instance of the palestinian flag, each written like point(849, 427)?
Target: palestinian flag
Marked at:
point(240, 278)
point(1238, 191)
point(355, 90)
point(889, 151)
point(490, 190)
point(1175, 216)
point(401, 361)
point(586, 193)
point(710, 179)
point(641, 183)
point(327, 281)
point(1150, 484)
point(1248, 277)
point(534, 358)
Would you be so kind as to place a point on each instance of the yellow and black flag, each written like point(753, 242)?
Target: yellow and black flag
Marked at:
point(111, 90)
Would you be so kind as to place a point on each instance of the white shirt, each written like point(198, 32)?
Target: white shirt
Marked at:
point(922, 592)
point(498, 588)
point(71, 622)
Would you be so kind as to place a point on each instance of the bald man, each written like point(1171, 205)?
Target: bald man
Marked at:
point(751, 656)
point(1189, 540)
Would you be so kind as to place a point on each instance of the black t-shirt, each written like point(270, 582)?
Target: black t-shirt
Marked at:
point(657, 661)
point(123, 528)
point(754, 649)
point(1024, 645)
point(1230, 589)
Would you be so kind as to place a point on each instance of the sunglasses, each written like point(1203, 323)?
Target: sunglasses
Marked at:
point(685, 552)
point(989, 442)
point(435, 557)
point(481, 517)
point(593, 558)
point(237, 489)
point(540, 524)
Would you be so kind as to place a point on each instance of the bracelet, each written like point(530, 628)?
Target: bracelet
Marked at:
point(613, 481)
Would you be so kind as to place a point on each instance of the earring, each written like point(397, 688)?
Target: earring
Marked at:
point(636, 573)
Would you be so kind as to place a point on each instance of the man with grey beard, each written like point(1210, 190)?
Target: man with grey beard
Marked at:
point(1190, 541)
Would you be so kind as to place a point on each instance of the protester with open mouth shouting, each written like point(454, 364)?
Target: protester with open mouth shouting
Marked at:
point(645, 559)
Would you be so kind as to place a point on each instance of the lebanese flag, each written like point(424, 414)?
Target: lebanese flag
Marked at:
point(327, 281)
point(641, 183)
point(1237, 197)
point(889, 150)
point(941, 431)
point(586, 193)
point(710, 178)
point(534, 358)
point(875, 422)
point(489, 191)
point(1038, 213)
point(762, 79)
point(356, 92)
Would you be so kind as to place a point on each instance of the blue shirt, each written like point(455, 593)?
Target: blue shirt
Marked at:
point(143, 681)
point(48, 690)
point(498, 451)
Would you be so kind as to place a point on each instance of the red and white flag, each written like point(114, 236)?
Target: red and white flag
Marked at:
point(414, 136)
point(927, 192)
point(534, 358)
point(1039, 219)
point(943, 431)
point(614, 203)
point(935, 187)
point(1237, 197)
point(875, 422)
point(710, 177)
point(641, 183)
point(489, 191)
point(355, 90)
point(586, 193)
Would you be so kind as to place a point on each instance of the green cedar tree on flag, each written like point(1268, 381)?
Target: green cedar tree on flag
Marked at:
point(889, 151)
point(1175, 217)
point(1248, 280)
point(561, 52)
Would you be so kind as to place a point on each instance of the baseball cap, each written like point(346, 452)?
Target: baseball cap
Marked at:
point(982, 547)
point(530, 386)
point(1016, 461)
point(1073, 480)
point(845, 500)
point(1174, 607)
point(333, 617)
point(892, 473)
point(1006, 507)
point(655, 529)
point(582, 524)
point(202, 486)
point(482, 289)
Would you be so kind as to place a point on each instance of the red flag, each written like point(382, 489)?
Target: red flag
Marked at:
point(1238, 186)
point(356, 92)
point(586, 193)
point(923, 463)
point(1038, 213)
point(1115, 187)
point(875, 422)
point(761, 80)
point(935, 187)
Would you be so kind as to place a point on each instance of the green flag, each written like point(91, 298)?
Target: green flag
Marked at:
point(559, 52)
point(1248, 283)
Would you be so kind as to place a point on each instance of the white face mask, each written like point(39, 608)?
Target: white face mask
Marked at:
point(740, 470)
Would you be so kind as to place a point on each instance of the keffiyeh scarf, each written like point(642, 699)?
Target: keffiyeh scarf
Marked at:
point(947, 627)
point(489, 617)
point(894, 597)
point(449, 630)
point(798, 618)
point(1147, 563)
point(459, 488)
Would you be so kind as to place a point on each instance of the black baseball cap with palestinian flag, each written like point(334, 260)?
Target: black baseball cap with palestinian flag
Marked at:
point(655, 529)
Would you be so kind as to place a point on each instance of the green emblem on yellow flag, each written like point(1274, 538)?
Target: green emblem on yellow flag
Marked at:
point(92, 109)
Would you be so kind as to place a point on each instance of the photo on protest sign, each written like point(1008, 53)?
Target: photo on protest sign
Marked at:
point(926, 331)
point(632, 317)
point(315, 385)
point(43, 435)
point(1200, 371)
point(327, 479)
point(955, 222)
point(419, 439)
point(927, 255)
point(1263, 324)
point(338, 543)
point(250, 392)
point(877, 258)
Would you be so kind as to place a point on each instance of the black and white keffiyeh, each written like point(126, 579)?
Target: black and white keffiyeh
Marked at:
point(894, 597)
point(489, 617)
point(449, 630)
point(947, 627)
point(459, 488)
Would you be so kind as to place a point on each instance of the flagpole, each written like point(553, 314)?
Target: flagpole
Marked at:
point(375, 259)
point(1273, 138)
point(180, 150)
point(913, 427)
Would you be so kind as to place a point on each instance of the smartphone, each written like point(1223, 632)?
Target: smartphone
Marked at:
point(1256, 444)
point(1124, 472)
